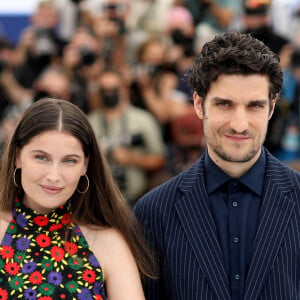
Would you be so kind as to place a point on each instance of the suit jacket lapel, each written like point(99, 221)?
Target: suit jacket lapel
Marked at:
point(198, 224)
point(276, 210)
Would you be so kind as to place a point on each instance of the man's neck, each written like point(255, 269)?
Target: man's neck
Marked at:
point(233, 169)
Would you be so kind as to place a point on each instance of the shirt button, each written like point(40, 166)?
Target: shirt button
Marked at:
point(234, 204)
point(236, 276)
point(236, 240)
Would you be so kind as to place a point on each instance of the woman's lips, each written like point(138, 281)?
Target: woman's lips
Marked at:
point(51, 189)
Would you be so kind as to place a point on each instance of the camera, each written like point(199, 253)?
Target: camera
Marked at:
point(88, 57)
point(44, 44)
point(134, 140)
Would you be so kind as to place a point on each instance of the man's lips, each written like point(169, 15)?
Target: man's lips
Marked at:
point(237, 138)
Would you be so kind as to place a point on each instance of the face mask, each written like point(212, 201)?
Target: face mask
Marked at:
point(110, 97)
point(179, 38)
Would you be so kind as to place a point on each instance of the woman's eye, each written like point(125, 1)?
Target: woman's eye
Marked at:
point(70, 161)
point(41, 157)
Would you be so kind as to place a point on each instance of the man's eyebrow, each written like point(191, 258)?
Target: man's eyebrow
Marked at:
point(258, 101)
point(220, 99)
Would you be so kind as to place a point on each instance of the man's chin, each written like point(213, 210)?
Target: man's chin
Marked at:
point(237, 156)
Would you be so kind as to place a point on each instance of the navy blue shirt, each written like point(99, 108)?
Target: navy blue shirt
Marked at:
point(235, 204)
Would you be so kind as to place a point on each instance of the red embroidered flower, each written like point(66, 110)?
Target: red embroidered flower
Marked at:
point(43, 240)
point(57, 253)
point(36, 277)
point(41, 220)
point(3, 294)
point(55, 227)
point(12, 268)
point(71, 248)
point(7, 252)
point(98, 297)
point(89, 276)
point(65, 219)
point(45, 298)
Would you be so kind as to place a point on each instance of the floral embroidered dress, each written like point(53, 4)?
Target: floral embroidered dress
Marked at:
point(38, 262)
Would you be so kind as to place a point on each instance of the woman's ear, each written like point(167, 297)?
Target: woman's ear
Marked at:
point(198, 105)
point(85, 167)
point(18, 163)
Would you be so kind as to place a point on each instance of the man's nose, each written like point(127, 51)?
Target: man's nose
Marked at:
point(239, 120)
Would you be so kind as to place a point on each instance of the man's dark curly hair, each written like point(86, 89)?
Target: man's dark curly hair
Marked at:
point(234, 53)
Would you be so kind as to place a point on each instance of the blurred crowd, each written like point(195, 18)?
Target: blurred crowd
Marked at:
point(124, 63)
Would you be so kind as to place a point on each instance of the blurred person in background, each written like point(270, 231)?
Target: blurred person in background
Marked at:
point(129, 136)
point(39, 43)
point(159, 83)
point(83, 60)
point(146, 19)
point(69, 17)
point(257, 22)
point(160, 86)
point(52, 82)
point(7, 60)
point(108, 19)
point(154, 85)
point(285, 17)
point(289, 150)
point(215, 16)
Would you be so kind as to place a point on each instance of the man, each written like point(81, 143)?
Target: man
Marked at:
point(229, 226)
point(130, 137)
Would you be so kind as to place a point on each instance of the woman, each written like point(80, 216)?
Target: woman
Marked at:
point(66, 231)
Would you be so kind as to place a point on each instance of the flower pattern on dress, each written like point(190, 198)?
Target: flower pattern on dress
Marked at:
point(37, 262)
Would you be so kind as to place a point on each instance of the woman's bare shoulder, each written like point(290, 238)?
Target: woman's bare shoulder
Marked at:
point(5, 215)
point(114, 254)
point(108, 244)
point(5, 218)
point(102, 236)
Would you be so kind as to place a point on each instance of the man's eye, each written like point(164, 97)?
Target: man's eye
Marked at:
point(256, 106)
point(223, 104)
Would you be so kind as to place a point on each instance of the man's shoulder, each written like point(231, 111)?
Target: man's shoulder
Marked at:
point(167, 194)
point(282, 172)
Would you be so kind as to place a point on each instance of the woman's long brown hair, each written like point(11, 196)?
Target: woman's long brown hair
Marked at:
point(103, 203)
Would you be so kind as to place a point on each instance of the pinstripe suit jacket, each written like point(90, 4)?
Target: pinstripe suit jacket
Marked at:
point(179, 225)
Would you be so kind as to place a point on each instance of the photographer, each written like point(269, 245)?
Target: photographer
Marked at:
point(131, 138)
point(39, 44)
point(83, 60)
point(110, 25)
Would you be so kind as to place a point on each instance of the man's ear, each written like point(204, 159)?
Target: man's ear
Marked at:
point(273, 103)
point(198, 105)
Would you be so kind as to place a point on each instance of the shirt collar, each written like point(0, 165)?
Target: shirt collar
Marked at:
point(215, 177)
